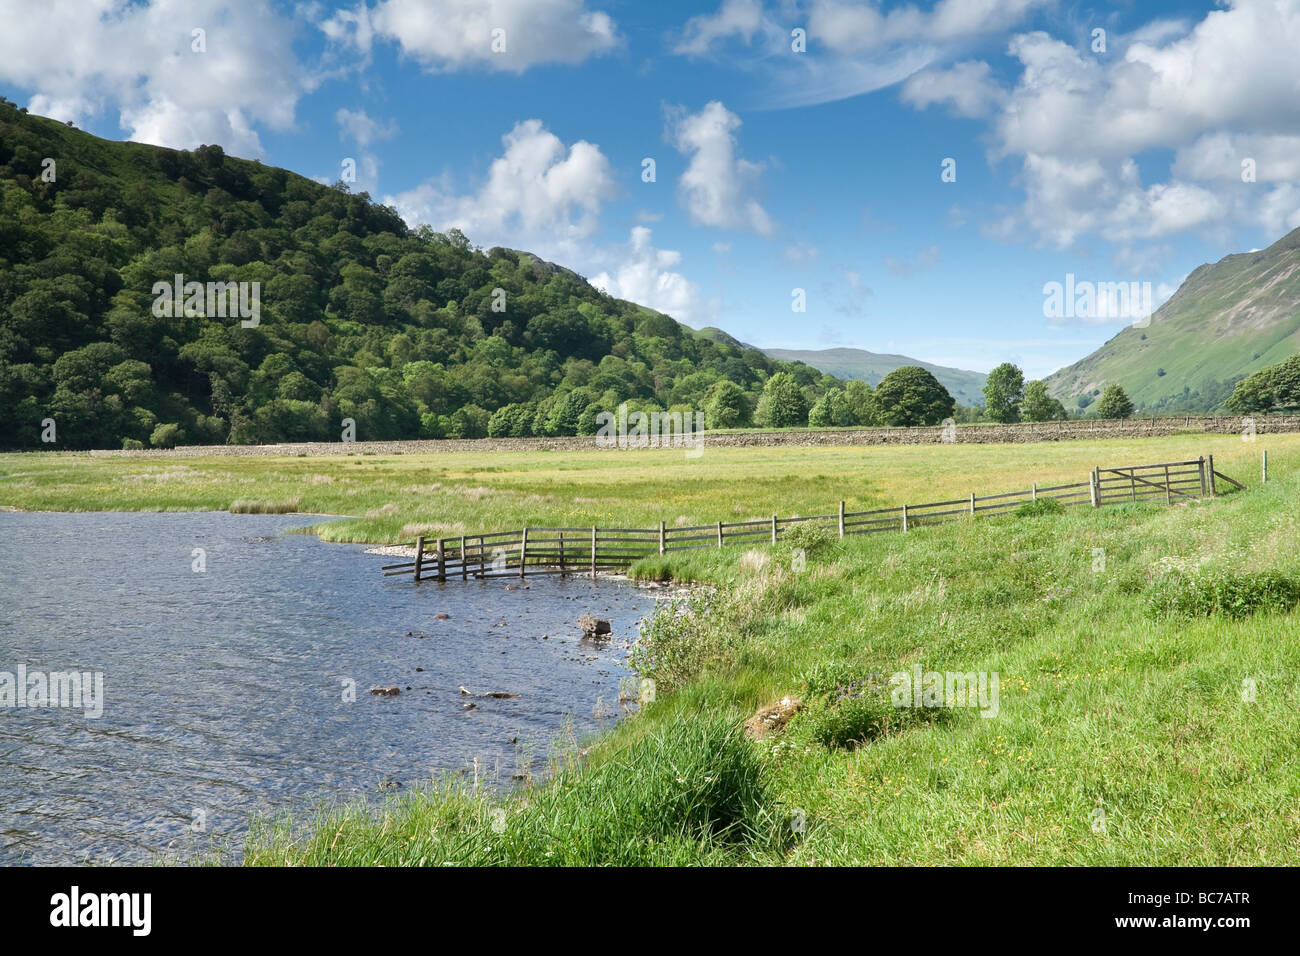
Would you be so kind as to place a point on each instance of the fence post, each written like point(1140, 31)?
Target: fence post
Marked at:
point(1201, 466)
point(464, 562)
point(1168, 491)
point(719, 534)
point(661, 537)
point(904, 517)
point(774, 529)
point(442, 562)
point(561, 552)
point(523, 551)
point(841, 519)
point(593, 552)
point(972, 504)
point(1214, 487)
point(1092, 487)
point(1033, 492)
point(419, 556)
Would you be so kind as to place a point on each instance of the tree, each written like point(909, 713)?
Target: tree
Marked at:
point(831, 410)
point(1003, 392)
point(1277, 386)
point(1038, 406)
point(862, 403)
point(912, 396)
point(1114, 403)
point(725, 405)
point(782, 404)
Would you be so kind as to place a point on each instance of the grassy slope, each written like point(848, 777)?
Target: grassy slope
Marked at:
point(966, 387)
point(1226, 320)
point(1103, 707)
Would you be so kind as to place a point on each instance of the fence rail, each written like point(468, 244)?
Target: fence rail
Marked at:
point(531, 551)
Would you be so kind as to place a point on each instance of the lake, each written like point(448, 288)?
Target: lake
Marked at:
point(226, 689)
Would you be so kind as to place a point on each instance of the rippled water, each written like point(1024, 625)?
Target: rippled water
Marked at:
point(224, 690)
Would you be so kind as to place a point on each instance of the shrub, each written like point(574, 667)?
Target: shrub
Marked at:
point(809, 536)
point(165, 435)
point(1223, 592)
point(132, 444)
point(687, 637)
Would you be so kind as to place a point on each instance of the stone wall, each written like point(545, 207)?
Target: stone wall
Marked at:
point(979, 434)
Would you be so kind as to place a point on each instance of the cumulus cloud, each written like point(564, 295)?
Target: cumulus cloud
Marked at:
point(141, 59)
point(646, 276)
point(1215, 93)
point(717, 186)
point(735, 18)
point(967, 88)
point(510, 35)
point(537, 191)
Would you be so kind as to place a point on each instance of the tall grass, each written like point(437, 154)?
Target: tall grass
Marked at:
point(688, 791)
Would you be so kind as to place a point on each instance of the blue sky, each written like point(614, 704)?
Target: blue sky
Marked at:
point(775, 169)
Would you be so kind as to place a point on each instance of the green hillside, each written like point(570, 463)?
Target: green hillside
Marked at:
point(1225, 321)
point(871, 367)
point(411, 334)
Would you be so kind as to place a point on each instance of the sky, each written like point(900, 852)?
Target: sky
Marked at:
point(914, 174)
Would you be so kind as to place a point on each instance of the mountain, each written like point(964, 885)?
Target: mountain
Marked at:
point(871, 367)
point(298, 307)
point(1225, 321)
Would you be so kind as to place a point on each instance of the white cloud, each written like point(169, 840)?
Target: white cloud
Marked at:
point(1214, 93)
point(739, 18)
point(458, 34)
point(853, 27)
point(646, 276)
point(81, 59)
point(968, 88)
point(361, 128)
point(716, 187)
point(538, 191)
point(853, 47)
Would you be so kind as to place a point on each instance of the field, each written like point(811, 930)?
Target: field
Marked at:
point(392, 499)
point(1148, 659)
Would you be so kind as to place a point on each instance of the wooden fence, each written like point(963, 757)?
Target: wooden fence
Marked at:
point(530, 551)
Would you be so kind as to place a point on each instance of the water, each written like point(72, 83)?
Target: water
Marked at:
point(224, 691)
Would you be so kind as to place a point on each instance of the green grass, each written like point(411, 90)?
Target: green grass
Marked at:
point(391, 499)
point(1148, 659)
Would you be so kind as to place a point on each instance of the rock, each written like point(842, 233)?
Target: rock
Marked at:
point(593, 626)
point(441, 616)
point(498, 694)
point(773, 718)
point(391, 690)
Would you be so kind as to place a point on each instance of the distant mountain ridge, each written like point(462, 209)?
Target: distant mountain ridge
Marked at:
point(967, 387)
point(1225, 321)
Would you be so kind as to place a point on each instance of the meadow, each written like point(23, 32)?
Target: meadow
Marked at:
point(1147, 657)
point(391, 499)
